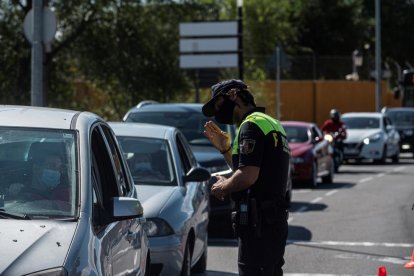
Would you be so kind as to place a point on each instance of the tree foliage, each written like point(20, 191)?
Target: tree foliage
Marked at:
point(110, 54)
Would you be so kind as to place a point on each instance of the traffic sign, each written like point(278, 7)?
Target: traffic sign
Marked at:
point(49, 26)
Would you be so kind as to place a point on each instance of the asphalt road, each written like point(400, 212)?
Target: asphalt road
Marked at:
point(362, 221)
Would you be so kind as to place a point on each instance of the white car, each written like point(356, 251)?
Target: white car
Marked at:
point(370, 135)
point(68, 205)
point(174, 193)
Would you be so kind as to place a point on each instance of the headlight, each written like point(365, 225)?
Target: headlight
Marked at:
point(374, 138)
point(158, 227)
point(58, 271)
point(297, 160)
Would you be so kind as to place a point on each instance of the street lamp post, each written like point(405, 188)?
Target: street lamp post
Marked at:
point(378, 73)
point(240, 27)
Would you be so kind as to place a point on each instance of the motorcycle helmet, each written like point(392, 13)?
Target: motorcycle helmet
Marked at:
point(335, 115)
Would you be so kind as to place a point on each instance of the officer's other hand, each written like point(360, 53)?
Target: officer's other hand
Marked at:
point(220, 139)
point(217, 188)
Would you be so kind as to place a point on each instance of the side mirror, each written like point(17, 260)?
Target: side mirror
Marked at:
point(388, 128)
point(126, 207)
point(197, 174)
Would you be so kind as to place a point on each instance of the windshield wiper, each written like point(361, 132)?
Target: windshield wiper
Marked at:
point(5, 214)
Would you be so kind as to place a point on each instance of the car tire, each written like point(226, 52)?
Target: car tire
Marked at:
point(383, 158)
point(313, 182)
point(396, 158)
point(186, 267)
point(330, 176)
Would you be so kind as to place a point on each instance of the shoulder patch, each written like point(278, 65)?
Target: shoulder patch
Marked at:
point(247, 146)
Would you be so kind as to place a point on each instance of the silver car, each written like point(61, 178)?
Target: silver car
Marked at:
point(68, 205)
point(173, 191)
point(370, 135)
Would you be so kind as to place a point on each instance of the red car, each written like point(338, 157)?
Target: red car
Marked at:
point(311, 154)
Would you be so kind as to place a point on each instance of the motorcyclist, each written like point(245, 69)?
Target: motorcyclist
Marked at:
point(335, 126)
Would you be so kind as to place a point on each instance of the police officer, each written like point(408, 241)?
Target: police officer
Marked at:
point(260, 161)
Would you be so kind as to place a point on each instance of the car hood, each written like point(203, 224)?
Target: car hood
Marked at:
point(24, 245)
point(297, 149)
point(357, 135)
point(154, 198)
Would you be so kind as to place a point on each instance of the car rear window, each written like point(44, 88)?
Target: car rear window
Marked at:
point(191, 124)
point(401, 118)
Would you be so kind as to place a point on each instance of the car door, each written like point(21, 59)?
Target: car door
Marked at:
point(196, 196)
point(393, 136)
point(117, 243)
point(320, 148)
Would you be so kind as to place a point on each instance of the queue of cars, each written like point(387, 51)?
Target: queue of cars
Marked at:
point(84, 212)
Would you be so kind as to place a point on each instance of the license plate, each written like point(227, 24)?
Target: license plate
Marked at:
point(351, 151)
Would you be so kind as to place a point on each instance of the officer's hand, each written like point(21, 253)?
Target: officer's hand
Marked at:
point(220, 139)
point(217, 188)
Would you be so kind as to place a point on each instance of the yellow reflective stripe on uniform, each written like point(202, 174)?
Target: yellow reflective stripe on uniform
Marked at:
point(266, 124)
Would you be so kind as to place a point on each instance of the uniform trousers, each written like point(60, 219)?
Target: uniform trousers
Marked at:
point(262, 255)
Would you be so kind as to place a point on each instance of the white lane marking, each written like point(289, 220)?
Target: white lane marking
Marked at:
point(366, 179)
point(391, 260)
point(380, 174)
point(397, 169)
point(316, 200)
point(331, 192)
point(345, 243)
point(290, 219)
point(319, 274)
point(301, 191)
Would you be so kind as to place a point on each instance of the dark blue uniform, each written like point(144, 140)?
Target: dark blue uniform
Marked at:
point(261, 141)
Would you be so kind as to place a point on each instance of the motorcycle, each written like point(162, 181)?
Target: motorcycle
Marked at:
point(336, 142)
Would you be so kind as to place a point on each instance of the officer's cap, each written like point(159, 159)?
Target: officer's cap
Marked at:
point(218, 89)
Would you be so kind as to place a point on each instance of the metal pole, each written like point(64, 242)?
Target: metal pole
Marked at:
point(197, 86)
point(278, 83)
point(240, 26)
point(378, 55)
point(37, 54)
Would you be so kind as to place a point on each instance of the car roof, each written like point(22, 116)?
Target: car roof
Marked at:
point(39, 117)
point(170, 107)
point(363, 114)
point(142, 130)
point(297, 123)
point(411, 109)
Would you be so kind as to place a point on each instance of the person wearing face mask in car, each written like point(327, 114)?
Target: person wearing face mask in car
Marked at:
point(46, 180)
point(259, 158)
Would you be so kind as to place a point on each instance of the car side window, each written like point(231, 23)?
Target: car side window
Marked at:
point(117, 162)
point(103, 178)
point(186, 162)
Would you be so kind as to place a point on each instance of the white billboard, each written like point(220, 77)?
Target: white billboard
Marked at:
point(224, 28)
point(209, 61)
point(209, 44)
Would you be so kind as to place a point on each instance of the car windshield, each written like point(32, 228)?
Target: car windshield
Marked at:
point(38, 173)
point(401, 118)
point(149, 160)
point(296, 134)
point(191, 124)
point(361, 122)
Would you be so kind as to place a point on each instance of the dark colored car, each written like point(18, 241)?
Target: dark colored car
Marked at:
point(189, 118)
point(403, 120)
point(311, 154)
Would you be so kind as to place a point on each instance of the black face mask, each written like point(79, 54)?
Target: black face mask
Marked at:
point(225, 113)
